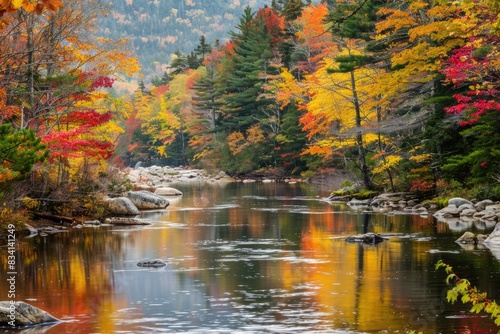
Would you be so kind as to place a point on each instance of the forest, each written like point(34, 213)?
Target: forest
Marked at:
point(157, 29)
point(402, 95)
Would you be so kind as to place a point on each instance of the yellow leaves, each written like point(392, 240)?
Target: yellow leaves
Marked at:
point(395, 20)
point(237, 141)
point(388, 162)
point(288, 90)
point(421, 158)
point(418, 5)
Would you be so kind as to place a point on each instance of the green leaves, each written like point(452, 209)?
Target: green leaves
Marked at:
point(20, 149)
point(479, 300)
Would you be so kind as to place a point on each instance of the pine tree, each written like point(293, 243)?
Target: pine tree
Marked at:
point(251, 65)
point(203, 48)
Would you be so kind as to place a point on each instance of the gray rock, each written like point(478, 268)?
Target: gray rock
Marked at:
point(450, 211)
point(152, 264)
point(20, 314)
point(468, 213)
point(221, 175)
point(494, 237)
point(481, 238)
point(458, 201)
point(359, 202)
point(480, 206)
point(144, 200)
point(92, 222)
point(125, 221)
point(467, 238)
point(368, 238)
point(168, 191)
point(122, 206)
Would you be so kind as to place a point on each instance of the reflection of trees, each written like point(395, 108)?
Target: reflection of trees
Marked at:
point(70, 269)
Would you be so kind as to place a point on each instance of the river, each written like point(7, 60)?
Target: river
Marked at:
point(253, 258)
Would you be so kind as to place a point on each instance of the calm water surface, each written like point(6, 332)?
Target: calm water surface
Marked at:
point(254, 258)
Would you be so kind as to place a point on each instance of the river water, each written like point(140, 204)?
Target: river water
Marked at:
point(254, 258)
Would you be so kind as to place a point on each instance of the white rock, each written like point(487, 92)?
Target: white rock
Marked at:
point(168, 191)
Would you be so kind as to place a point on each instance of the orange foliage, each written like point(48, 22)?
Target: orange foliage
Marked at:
point(274, 23)
point(8, 6)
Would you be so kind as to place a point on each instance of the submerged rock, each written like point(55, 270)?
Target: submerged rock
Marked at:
point(168, 191)
point(368, 238)
point(20, 314)
point(152, 264)
point(125, 221)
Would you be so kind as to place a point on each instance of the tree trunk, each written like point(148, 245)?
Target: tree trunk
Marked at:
point(359, 137)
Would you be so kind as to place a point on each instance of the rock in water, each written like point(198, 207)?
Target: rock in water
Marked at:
point(122, 206)
point(467, 238)
point(152, 264)
point(368, 238)
point(144, 200)
point(20, 314)
point(458, 201)
point(494, 237)
point(167, 191)
point(125, 221)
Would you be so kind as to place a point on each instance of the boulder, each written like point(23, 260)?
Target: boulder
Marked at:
point(468, 213)
point(358, 202)
point(122, 206)
point(221, 175)
point(467, 238)
point(368, 238)
point(21, 314)
point(152, 264)
point(494, 237)
point(458, 201)
point(145, 200)
point(480, 206)
point(168, 191)
point(125, 221)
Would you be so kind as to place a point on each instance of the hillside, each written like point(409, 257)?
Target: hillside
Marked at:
point(158, 28)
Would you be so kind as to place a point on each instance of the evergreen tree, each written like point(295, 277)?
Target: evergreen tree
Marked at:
point(251, 65)
point(203, 48)
point(20, 149)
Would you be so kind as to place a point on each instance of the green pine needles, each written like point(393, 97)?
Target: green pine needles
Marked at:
point(469, 294)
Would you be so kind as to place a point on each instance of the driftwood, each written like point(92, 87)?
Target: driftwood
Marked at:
point(54, 218)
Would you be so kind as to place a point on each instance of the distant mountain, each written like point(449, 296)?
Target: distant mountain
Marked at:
point(158, 28)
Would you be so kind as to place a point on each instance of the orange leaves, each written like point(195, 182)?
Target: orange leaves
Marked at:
point(314, 42)
point(237, 141)
point(29, 6)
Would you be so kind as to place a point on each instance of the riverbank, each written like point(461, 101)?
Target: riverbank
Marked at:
point(161, 180)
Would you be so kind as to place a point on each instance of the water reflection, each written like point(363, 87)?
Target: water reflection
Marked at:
point(253, 258)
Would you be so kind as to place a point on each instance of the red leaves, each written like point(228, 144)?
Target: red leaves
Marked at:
point(474, 107)
point(274, 23)
point(471, 65)
point(79, 140)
